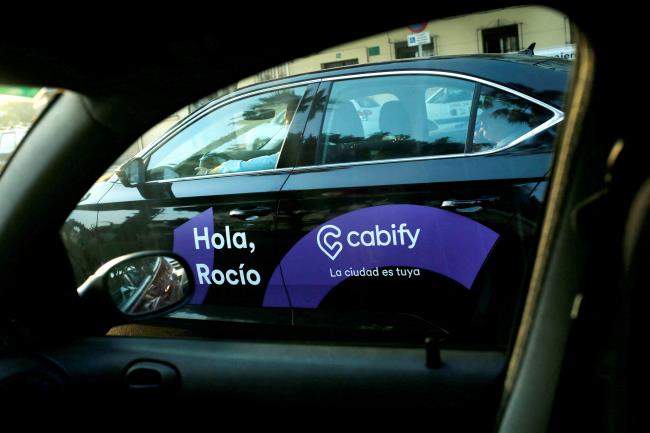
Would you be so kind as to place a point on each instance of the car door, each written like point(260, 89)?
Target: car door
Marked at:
point(210, 194)
point(414, 213)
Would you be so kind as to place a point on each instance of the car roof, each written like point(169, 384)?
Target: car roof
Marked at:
point(544, 78)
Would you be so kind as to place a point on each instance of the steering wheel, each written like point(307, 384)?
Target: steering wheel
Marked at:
point(211, 160)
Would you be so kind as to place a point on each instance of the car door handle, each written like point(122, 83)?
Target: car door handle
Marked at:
point(250, 213)
point(471, 204)
point(151, 376)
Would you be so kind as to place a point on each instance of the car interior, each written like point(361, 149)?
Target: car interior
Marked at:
point(206, 143)
point(396, 133)
point(573, 363)
point(406, 124)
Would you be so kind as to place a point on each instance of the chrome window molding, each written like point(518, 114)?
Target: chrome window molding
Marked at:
point(286, 170)
point(557, 117)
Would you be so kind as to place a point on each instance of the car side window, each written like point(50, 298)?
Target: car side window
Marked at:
point(245, 135)
point(7, 142)
point(378, 118)
point(503, 117)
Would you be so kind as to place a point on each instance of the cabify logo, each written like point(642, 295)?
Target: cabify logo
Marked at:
point(374, 237)
point(387, 241)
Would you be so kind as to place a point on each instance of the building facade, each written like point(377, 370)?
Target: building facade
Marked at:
point(498, 31)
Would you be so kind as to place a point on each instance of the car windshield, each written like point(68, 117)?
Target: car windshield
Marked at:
point(19, 110)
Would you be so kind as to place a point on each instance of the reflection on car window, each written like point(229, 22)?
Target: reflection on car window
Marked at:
point(503, 117)
point(246, 135)
point(410, 116)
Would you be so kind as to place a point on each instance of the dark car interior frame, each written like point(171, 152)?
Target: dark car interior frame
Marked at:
point(573, 364)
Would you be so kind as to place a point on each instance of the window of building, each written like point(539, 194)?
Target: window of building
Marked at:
point(502, 39)
point(374, 51)
point(403, 51)
point(339, 63)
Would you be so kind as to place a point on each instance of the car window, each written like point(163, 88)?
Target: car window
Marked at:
point(503, 117)
point(443, 95)
point(19, 109)
point(7, 141)
point(404, 122)
point(334, 239)
point(245, 135)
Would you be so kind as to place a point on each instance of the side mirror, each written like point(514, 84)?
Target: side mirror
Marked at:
point(131, 173)
point(139, 286)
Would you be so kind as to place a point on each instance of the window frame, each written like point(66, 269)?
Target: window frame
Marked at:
point(145, 153)
point(558, 116)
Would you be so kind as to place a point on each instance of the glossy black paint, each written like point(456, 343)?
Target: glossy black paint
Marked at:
point(115, 220)
point(312, 196)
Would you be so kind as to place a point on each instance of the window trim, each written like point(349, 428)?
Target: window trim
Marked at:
point(557, 117)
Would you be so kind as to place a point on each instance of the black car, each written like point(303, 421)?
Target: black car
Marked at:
point(409, 189)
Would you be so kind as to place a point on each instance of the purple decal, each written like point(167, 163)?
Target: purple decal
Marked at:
point(184, 246)
point(411, 236)
point(275, 294)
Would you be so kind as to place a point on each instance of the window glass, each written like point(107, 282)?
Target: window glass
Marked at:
point(246, 135)
point(8, 142)
point(398, 248)
point(19, 109)
point(396, 117)
point(503, 117)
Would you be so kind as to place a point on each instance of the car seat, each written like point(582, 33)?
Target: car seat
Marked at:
point(395, 124)
point(344, 137)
